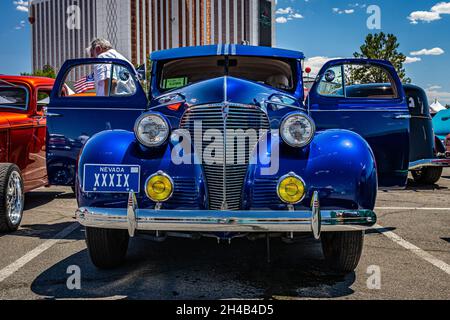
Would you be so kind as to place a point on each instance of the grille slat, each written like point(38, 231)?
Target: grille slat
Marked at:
point(227, 188)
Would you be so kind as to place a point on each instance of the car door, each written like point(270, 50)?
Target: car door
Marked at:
point(367, 97)
point(17, 123)
point(421, 127)
point(76, 112)
point(37, 170)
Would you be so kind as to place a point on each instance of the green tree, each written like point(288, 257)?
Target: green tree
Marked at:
point(384, 47)
point(47, 71)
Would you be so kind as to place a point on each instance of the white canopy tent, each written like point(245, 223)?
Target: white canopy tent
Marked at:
point(435, 107)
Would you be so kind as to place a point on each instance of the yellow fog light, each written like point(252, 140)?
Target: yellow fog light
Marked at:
point(291, 189)
point(159, 187)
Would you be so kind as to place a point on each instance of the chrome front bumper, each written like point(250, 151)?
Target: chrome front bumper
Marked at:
point(314, 220)
point(439, 162)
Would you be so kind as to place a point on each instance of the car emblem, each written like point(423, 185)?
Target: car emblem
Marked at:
point(225, 112)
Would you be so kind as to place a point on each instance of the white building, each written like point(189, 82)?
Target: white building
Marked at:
point(62, 29)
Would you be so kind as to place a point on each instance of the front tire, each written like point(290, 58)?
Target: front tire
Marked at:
point(342, 250)
point(11, 197)
point(427, 175)
point(107, 247)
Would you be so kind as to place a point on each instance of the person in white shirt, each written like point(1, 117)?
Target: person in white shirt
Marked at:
point(117, 80)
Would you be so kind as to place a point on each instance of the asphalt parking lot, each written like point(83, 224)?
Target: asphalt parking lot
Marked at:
point(410, 248)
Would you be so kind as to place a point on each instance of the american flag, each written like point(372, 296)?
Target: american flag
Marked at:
point(85, 83)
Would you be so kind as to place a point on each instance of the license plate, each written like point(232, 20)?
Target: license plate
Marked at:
point(111, 178)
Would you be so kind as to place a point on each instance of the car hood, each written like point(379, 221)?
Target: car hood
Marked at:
point(223, 89)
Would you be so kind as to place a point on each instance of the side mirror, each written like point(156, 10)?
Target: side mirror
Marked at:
point(142, 72)
point(330, 75)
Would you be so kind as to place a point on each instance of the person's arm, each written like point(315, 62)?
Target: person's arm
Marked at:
point(105, 84)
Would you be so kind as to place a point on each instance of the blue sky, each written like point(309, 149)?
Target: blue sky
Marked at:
point(326, 29)
point(322, 29)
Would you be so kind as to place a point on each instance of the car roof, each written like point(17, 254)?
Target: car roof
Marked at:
point(31, 80)
point(225, 50)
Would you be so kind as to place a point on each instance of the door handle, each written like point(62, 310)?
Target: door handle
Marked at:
point(49, 114)
point(402, 116)
point(52, 115)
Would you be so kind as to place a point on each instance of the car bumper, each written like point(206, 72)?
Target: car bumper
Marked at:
point(314, 220)
point(439, 162)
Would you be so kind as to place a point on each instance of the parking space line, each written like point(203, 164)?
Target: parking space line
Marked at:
point(19, 263)
point(412, 208)
point(414, 249)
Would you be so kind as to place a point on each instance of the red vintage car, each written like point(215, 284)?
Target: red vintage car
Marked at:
point(447, 146)
point(22, 143)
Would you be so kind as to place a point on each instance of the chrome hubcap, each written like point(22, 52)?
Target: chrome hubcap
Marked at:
point(14, 198)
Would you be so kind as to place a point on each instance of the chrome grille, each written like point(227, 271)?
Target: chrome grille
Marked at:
point(225, 180)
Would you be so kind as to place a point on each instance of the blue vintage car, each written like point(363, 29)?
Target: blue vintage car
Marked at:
point(427, 154)
point(441, 124)
point(223, 146)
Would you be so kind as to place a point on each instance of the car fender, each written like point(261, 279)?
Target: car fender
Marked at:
point(117, 147)
point(338, 163)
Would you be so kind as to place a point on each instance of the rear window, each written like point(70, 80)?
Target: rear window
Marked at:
point(277, 73)
point(13, 97)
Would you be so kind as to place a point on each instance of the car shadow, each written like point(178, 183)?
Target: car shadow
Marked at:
point(37, 199)
point(380, 230)
point(42, 231)
point(195, 270)
point(414, 186)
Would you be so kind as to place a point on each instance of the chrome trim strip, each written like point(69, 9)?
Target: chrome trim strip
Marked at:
point(267, 102)
point(131, 214)
point(416, 165)
point(118, 109)
point(314, 220)
point(353, 110)
point(227, 221)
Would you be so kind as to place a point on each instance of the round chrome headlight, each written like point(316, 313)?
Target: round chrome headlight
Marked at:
point(152, 130)
point(298, 130)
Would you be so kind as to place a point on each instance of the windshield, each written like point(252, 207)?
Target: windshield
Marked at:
point(13, 97)
point(277, 73)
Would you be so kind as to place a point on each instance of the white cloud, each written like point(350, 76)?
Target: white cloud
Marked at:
point(412, 60)
point(287, 10)
point(425, 16)
point(442, 7)
point(346, 11)
point(428, 16)
point(287, 14)
point(296, 16)
point(433, 88)
point(428, 52)
point(21, 25)
point(357, 5)
point(441, 96)
point(21, 5)
point(281, 20)
point(316, 63)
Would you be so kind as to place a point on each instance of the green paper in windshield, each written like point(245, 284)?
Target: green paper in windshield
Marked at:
point(175, 83)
